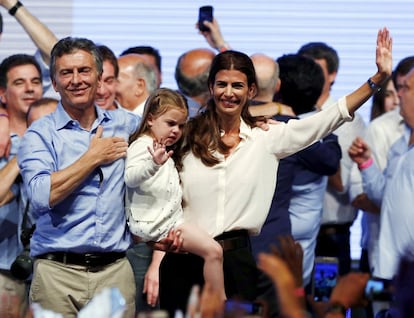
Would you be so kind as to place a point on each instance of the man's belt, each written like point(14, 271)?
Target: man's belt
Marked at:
point(87, 259)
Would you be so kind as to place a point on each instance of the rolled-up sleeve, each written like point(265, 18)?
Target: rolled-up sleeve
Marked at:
point(36, 167)
point(343, 109)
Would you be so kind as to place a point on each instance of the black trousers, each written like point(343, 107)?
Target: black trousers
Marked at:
point(179, 272)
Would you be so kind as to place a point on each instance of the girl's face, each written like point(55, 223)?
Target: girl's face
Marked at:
point(391, 99)
point(231, 92)
point(168, 127)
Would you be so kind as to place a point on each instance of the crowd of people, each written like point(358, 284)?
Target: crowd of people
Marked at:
point(124, 183)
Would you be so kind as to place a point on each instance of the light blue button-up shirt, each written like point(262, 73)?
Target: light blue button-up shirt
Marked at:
point(375, 182)
point(10, 218)
point(393, 191)
point(91, 218)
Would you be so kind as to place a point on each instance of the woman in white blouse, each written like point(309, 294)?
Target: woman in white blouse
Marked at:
point(229, 169)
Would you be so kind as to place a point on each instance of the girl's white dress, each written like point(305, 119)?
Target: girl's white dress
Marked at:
point(153, 193)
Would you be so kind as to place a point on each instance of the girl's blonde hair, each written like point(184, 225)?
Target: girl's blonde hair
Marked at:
point(157, 104)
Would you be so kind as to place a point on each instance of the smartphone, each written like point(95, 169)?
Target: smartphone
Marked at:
point(205, 13)
point(324, 276)
point(248, 308)
point(378, 289)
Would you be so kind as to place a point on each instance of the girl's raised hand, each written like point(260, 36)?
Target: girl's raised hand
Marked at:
point(159, 152)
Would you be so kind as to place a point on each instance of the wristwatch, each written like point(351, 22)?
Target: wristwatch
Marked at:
point(374, 86)
point(16, 7)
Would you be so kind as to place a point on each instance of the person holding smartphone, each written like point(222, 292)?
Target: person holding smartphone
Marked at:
point(210, 29)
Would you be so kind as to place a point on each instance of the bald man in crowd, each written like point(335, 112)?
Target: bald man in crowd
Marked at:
point(268, 76)
point(136, 81)
point(268, 83)
point(191, 73)
point(153, 57)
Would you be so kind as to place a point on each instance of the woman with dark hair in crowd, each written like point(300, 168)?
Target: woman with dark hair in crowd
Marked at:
point(385, 99)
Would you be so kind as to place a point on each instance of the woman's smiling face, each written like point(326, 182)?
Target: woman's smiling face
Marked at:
point(231, 92)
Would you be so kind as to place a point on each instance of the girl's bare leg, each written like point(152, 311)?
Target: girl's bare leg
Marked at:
point(197, 241)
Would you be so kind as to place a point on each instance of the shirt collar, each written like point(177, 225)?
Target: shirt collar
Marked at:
point(407, 135)
point(15, 142)
point(64, 120)
point(245, 130)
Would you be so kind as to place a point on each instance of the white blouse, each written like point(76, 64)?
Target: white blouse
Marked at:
point(237, 192)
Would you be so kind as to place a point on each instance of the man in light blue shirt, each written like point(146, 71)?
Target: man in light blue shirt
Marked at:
point(396, 220)
point(393, 189)
point(20, 85)
point(72, 163)
point(302, 81)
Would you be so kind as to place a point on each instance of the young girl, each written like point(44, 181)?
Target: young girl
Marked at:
point(153, 191)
